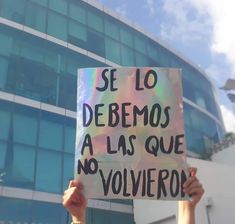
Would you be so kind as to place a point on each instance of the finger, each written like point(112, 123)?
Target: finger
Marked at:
point(74, 200)
point(71, 197)
point(67, 200)
point(72, 183)
point(196, 191)
point(75, 183)
point(192, 186)
point(83, 201)
point(193, 171)
point(70, 190)
point(77, 194)
point(79, 185)
point(189, 181)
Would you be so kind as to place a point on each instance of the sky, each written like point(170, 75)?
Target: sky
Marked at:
point(202, 30)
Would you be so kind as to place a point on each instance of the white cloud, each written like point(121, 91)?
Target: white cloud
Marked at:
point(202, 20)
point(215, 71)
point(122, 9)
point(149, 5)
point(183, 23)
point(222, 17)
point(228, 113)
point(209, 22)
point(228, 117)
point(222, 42)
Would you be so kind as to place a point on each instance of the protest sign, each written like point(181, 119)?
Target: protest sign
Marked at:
point(130, 134)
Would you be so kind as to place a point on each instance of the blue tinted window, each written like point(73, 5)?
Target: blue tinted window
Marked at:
point(200, 130)
point(55, 58)
point(32, 50)
point(36, 17)
point(51, 132)
point(126, 37)
point(194, 140)
point(70, 138)
point(96, 43)
point(127, 56)
point(3, 149)
point(141, 60)
point(56, 213)
point(23, 166)
point(13, 10)
point(77, 34)
point(124, 218)
point(6, 44)
point(3, 72)
point(111, 29)
point(57, 26)
point(139, 44)
point(221, 132)
point(197, 89)
point(95, 21)
point(68, 172)
point(99, 215)
point(68, 92)
point(36, 73)
point(48, 171)
point(153, 51)
point(25, 129)
point(200, 99)
point(59, 6)
point(164, 57)
point(4, 124)
point(113, 50)
point(27, 211)
point(41, 2)
point(32, 80)
point(175, 62)
point(77, 12)
point(52, 59)
point(79, 61)
point(15, 210)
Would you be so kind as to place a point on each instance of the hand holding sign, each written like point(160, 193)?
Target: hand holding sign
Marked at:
point(75, 203)
point(130, 135)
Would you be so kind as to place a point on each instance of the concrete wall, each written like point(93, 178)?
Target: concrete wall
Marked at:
point(216, 207)
point(226, 156)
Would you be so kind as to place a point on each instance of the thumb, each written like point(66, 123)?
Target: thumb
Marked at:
point(72, 183)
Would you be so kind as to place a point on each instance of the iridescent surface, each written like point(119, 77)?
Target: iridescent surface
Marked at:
point(166, 93)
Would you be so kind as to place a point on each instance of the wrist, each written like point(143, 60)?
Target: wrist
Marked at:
point(80, 220)
point(186, 206)
point(186, 213)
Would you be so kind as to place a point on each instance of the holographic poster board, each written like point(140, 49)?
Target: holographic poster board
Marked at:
point(130, 140)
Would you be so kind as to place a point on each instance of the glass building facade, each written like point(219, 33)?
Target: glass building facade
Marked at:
point(42, 43)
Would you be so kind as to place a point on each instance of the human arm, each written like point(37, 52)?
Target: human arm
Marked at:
point(75, 202)
point(186, 209)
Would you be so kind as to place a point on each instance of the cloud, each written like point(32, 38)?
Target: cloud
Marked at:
point(122, 9)
point(222, 16)
point(228, 117)
point(213, 71)
point(184, 23)
point(149, 5)
point(218, 71)
point(202, 20)
point(222, 43)
point(209, 22)
point(226, 107)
